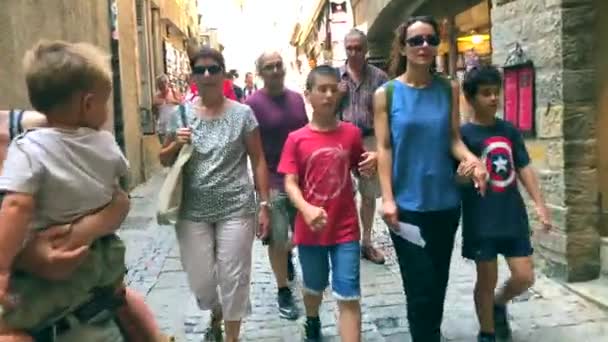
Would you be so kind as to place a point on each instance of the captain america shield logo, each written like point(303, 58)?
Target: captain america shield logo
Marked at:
point(498, 159)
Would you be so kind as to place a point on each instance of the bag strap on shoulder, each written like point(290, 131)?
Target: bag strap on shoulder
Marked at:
point(446, 83)
point(15, 126)
point(182, 114)
point(390, 87)
point(389, 90)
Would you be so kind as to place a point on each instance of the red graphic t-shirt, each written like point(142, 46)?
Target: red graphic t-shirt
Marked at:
point(323, 162)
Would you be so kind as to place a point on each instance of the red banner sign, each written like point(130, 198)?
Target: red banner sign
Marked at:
point(519, 97)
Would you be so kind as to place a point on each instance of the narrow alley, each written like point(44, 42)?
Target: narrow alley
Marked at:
point(548, 312)
point(536, 67)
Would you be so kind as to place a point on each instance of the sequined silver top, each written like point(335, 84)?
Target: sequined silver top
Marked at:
point(217, 185)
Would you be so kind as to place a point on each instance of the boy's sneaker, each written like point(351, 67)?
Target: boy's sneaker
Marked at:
point(287, 306)
point(312, 330)
point(486, 338)
point(501, 322)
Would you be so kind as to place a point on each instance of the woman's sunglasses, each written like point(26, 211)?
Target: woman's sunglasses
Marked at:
point(416, 41)
point(201, 70)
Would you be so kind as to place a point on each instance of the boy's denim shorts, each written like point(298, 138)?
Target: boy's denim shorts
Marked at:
point(345, 269)
point(489, 249)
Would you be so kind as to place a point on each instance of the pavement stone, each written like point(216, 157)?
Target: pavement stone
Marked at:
point(548, 312)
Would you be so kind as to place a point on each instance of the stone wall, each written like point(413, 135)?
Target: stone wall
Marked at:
point(130, 89)
point(579, 129)
point(557, 36)
point(23, 23)
point(601, 57)
point(366, 12)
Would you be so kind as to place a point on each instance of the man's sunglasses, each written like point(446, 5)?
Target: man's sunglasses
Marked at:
point(431, 40)
point(201, 70)
point(272, 67)
point(354, 48)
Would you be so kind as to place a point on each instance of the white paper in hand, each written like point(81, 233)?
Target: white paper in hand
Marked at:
point(411, 233)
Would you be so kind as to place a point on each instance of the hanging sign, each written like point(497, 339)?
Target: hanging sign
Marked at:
point(519, 91)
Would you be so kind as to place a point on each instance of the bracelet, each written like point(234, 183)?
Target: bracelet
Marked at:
point(265, 204)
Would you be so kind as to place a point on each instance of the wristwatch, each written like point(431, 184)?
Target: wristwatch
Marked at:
point(265, 204)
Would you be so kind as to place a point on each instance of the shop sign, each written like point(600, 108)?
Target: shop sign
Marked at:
point(519, 91)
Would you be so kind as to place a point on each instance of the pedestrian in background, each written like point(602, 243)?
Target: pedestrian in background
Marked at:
point(233, 75)
point(417, 126)
point(250, 86)
point(279, 111)
point(358, 82)
point(217, 217)
point(166, 103)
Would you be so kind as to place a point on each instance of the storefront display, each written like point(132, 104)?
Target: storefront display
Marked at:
point(177, 67)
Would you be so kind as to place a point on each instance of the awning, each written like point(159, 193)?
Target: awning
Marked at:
point(295, 34)
point(308, 26)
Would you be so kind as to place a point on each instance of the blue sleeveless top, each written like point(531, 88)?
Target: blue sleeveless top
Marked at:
point(423, 167)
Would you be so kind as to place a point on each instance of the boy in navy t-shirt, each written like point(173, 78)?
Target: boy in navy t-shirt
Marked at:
point(497, 223)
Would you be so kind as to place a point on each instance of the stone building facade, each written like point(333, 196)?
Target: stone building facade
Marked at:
point(569, 146)
point(559, 35)
point(113, 25)
point(24, 22)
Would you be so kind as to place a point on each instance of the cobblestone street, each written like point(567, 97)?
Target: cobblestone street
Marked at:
point(547, 313)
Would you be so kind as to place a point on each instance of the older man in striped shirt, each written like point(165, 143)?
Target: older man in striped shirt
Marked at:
point(359, 81)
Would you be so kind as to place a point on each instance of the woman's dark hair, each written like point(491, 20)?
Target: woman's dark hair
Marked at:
point(208, 52)
point(398, 62)
point(480, 76)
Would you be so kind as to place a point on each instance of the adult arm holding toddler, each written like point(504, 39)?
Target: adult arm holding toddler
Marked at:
point(55, 253)
point(16, 214)
point(46, 253)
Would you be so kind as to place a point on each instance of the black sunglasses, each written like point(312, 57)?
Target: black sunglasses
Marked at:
point(201, 70)
point(354, 48)
point(431, 40)
point(272, 67)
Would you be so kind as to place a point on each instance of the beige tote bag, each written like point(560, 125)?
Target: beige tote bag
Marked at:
point(170, 195)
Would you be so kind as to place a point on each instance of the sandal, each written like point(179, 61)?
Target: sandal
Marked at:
point(372, 254)
point(165, 338)
point(214, 332)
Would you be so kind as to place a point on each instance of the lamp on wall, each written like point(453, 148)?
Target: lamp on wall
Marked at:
point(475, 38)
point(478, 38)
point(480, 42)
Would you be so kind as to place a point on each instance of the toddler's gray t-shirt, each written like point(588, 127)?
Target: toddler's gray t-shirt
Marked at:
point(71, 173)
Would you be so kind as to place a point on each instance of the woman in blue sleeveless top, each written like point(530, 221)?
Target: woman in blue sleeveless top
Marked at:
point(418, 145)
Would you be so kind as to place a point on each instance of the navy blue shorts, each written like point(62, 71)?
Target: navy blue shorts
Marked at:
point(488, 249)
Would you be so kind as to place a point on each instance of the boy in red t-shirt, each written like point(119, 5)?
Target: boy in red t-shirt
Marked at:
point(317, 161)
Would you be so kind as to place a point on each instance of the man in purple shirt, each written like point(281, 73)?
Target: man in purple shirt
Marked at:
point(279, 111)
